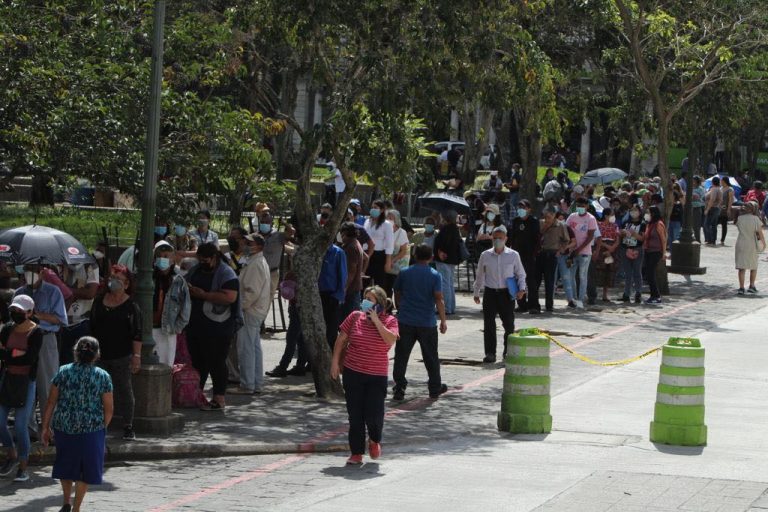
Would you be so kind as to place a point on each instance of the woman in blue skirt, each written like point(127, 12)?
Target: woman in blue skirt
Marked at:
point(79, 409)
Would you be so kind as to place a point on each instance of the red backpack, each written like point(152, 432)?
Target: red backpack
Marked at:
point(186, 390)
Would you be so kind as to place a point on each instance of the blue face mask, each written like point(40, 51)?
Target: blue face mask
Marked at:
point(161, 230)
point(375, 212)
point(581, 210)
point(180, 230)
point(366, 305)
point(429, 228)
point(265, 228)
point(162, 263)
point(19, 269)
point(522, 213)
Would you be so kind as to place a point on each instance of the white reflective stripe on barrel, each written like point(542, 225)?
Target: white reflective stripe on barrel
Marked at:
point(678, 380)
point(526, 389)
point(518, 351)
point(683, 362)
point(532, 371)
point(666, 398)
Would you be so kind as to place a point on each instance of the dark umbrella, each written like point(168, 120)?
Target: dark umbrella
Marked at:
point(602, 176)
point(43, 245)
point(442, 202)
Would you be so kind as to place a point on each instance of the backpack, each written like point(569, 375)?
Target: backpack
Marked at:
point(185, 391)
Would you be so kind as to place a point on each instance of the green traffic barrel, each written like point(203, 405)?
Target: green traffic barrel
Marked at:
point(678, 417)
point(525, 399)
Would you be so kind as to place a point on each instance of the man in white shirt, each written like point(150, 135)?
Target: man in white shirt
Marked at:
point(255, 301)
point(495, 266)
point(338, 182)
point(83, 280)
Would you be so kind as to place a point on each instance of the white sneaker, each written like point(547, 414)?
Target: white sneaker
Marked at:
point(580, 304)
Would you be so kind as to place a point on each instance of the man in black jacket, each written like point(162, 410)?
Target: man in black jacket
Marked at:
point(448, 255)
point(524, 238)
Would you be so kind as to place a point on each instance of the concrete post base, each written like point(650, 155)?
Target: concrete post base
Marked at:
point(524, 423)
point(152, 413)
point(685, 259)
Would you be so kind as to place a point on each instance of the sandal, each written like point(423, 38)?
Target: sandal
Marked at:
point(212, 406)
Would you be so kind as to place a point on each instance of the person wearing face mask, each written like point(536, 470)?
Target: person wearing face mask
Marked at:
point(254, 300)
point(83, 282)
point(492, 220)
point(605, 252)
point(215, 317)
point(203, 234)
point(654, 244)
point(116, 323)
point(584, 226)
point(382, 233)
point(274, 246)
point(20, 342)
point(524, 238)
point(494, 268)
point(554, 242)
point(366, 337)
point(51, 315)
point(238, 250)
point(632, 237)
point(171, 304)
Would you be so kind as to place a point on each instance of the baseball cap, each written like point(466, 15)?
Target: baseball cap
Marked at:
point(163, 243)
point(23, 302)
point(492, 208)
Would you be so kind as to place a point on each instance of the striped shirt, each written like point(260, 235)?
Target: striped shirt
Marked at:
point(367, 351)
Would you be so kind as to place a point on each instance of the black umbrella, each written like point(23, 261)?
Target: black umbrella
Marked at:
point(602, 176)
point(43, 245)
point(442, 202)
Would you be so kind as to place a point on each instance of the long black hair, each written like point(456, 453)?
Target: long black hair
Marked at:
point(655, 213)
point(382, 212)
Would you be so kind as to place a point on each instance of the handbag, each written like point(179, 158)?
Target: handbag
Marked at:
point(13, 390)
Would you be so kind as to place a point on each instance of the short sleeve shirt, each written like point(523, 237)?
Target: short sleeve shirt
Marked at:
point(417, 285)
point(80, 307)
point(79, 409)
point(581, 226)
point(367, 351)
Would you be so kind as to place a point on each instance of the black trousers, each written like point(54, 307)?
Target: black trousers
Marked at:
point(547, 268)
point(331, 317)
point(365, 395)
point(497, 302)
point(531, 300)
point(427, 338)
point(376, 271)
point(650, 262)
point(209, 357)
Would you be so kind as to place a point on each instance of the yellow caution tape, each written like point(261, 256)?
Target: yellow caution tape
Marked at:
point(534, 331)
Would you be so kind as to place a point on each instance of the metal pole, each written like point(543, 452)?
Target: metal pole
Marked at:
point(145, 286)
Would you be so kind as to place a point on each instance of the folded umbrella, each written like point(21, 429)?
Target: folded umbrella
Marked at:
point(42, 245)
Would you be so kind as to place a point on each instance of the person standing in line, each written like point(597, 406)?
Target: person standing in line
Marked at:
point(83, 281)
point(448, 254)
point(214, 320)
point(524, 237)
point(726, 212)
point(494, 268)
point(20, 342)
point(51, 314)
point(654, 244)
point(383, 235)
point(332, 285)
point(294, 338)
point(554, 241)
point(367, 336)
point(171, 304)
point(584, 226)
point(116, 323)
point(606, 256)
point(355, 261)
point(255, 298)
point(79, 411)
point(749, 244)
point(274, 245)
point(697, 203)
point(400, 252)
point(632, 237)
point(418, 292)
point(204, 234)
point(712, 207)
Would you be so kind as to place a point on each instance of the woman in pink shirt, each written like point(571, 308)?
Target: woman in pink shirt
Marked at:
point(365, 338)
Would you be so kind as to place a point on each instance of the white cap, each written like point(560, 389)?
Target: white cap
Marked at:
point(163, 243)
point(23, 302)
point(500, 229)
point(578, 189)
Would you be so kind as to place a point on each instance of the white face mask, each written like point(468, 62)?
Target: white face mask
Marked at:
point(612, 219)
point(647, 217)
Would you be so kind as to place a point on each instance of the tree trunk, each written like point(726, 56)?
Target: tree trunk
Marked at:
point(530, 155)
point(663, 156)
point(502, 125)
point(474, 144)
point(236, 206)
point(284, 155)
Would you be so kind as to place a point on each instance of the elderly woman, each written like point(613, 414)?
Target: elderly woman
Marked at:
point(367, 336)
point(20, 343)
point(750, 242)
point(400, 253)
point(79, 410)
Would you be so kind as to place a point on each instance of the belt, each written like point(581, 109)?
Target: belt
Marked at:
point(496, 289)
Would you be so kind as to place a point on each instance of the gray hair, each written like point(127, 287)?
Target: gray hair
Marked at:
point(397, 219)
point(499, 229)
point(87, 350)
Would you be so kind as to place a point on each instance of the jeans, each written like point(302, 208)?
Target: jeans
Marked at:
point(710, 225)
point(120, 371)
point(165, 346)
point(650, 262)
point(547, 267)
point(69, 336)
point(331, 317)
point(497, 302)
point(293, 339)
point(633, 273)
point(566, 277)
point(249, 354)
point(698, 218)
point(449, 293)
point(209, 357)
point(675, 228)
point(365, 395)
point(47, 366)
point(580, 267)
point(427, 338)
point(22, 418)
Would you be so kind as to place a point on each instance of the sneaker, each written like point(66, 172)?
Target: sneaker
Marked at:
point(625, 298)
point(489, 358)
point(297, 371)
point(443, 389)
point(279, 371)
point(66, 508)
point(638, 298)
point(21, 476)
point(129, 434)
point(8, 467)
point(398, 394)
point(355, 460)
point(534, 311)
point(571, 304)
point(740, 291)
point(653, 300)
point(374, 450)
point(213, 405)
point(752, 289)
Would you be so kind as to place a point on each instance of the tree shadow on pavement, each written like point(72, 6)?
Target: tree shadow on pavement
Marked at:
point(367, 471)
point(38, 481)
